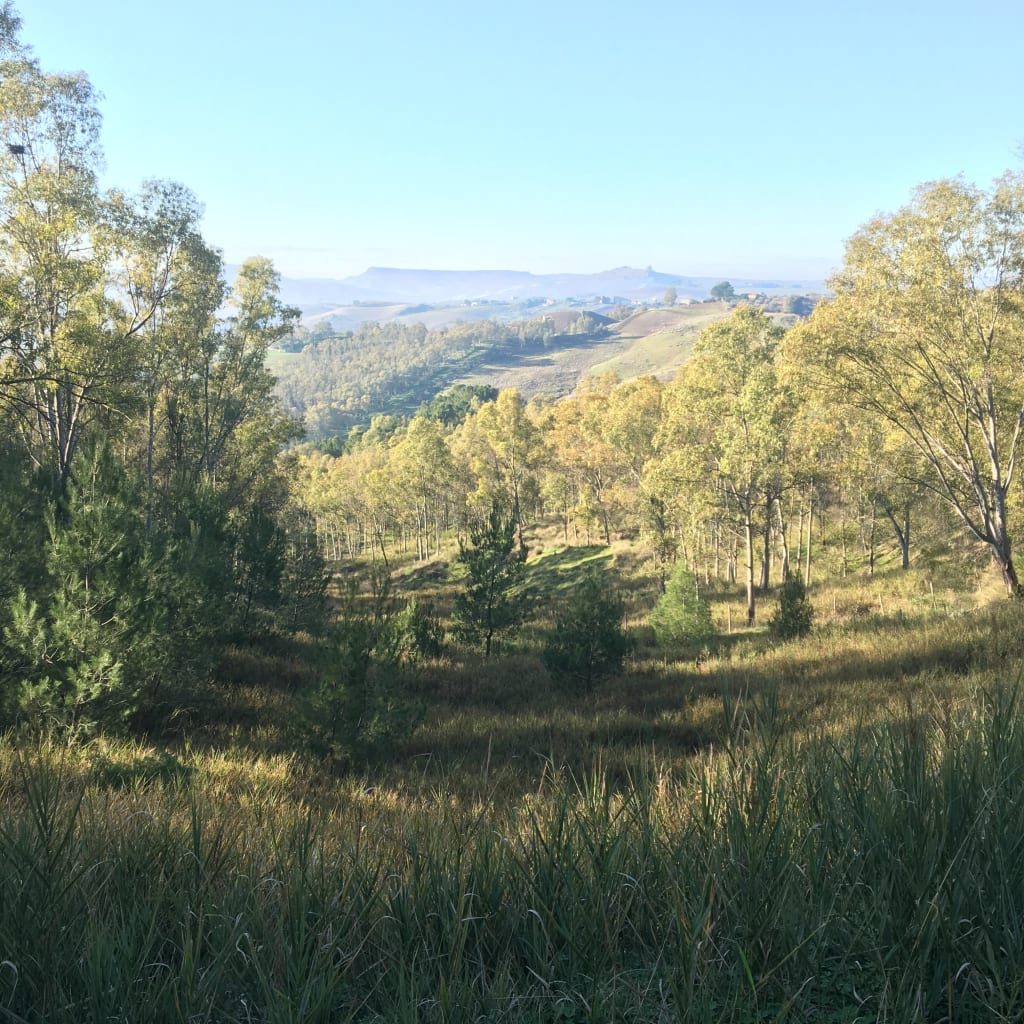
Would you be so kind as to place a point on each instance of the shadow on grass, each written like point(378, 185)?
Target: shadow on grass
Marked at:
point(558, 569)
point(508, 713)
point(126, 773)
point(430, 577)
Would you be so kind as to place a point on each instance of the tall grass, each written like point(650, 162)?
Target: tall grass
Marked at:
point(871, 875)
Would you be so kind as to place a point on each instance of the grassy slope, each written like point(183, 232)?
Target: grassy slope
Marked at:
point(276, 358)
point(818, 830)
point(654, 342)
point(659, 341)
point(879, 642)
point(826, 830)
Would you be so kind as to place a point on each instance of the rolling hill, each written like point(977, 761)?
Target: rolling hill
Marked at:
point(653, 341)
point(392, 367)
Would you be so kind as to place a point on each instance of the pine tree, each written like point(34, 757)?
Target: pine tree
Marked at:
point(682, 616)
point(493, 601)
point(86, 649)
point(795, 613)
point(589, 641)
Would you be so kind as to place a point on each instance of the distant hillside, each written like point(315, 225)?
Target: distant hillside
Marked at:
point(653, 341)
point(337, 381)
point(387, 283)
point(391, 285)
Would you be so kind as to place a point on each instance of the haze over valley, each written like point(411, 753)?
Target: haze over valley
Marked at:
point(380, 285)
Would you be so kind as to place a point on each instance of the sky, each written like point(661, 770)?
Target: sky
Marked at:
point(743, 140)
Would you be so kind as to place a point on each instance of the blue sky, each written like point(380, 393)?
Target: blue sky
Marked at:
point(747, 140)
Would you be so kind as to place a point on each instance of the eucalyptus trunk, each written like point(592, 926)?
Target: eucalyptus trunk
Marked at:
point(748, 533)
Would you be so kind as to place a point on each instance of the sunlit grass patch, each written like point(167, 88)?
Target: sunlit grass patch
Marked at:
point(556, 570)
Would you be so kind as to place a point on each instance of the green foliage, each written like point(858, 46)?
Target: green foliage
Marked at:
point(454, 404)
point(22, 564)
point(87, 650)
point(728, 424)
point(723, 292)
point(902, 338)
point(277, 575)
point(588, 642)
point(492, 602)
point(132, 571)
point(303, 576)
point(358, 701)
point(799, 305)
point(122, 621)
point(259, 564)
point(416, 632)
point(110, 622)
point(383, 428)
point(795, 613)
point(681, 615)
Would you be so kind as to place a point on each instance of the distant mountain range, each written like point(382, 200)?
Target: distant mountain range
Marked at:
point(393, 284)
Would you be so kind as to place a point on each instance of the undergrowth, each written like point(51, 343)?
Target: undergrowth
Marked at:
point(872, 875)
point(763, 830)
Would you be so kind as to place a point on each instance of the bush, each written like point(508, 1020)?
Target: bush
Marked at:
point(95, 645)
point(588, 641)
point(492, 601)
point(795, 613)
point(682, 616)
point(416, 632)
point(359, 702)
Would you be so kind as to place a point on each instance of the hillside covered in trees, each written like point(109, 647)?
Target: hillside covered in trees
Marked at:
point(339, 380)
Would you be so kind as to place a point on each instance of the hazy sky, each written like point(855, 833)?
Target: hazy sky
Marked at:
point(545, 136)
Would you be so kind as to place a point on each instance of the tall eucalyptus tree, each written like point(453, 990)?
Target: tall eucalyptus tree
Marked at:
point(926, 332)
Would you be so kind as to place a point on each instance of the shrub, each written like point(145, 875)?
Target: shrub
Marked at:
point(795, 614)
point(681, 615)
point(588, 641)
point(416, 632)
point(358, 701)
point(94, 646)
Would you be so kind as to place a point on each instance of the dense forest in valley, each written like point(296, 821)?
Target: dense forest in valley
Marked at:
point(668, 701)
